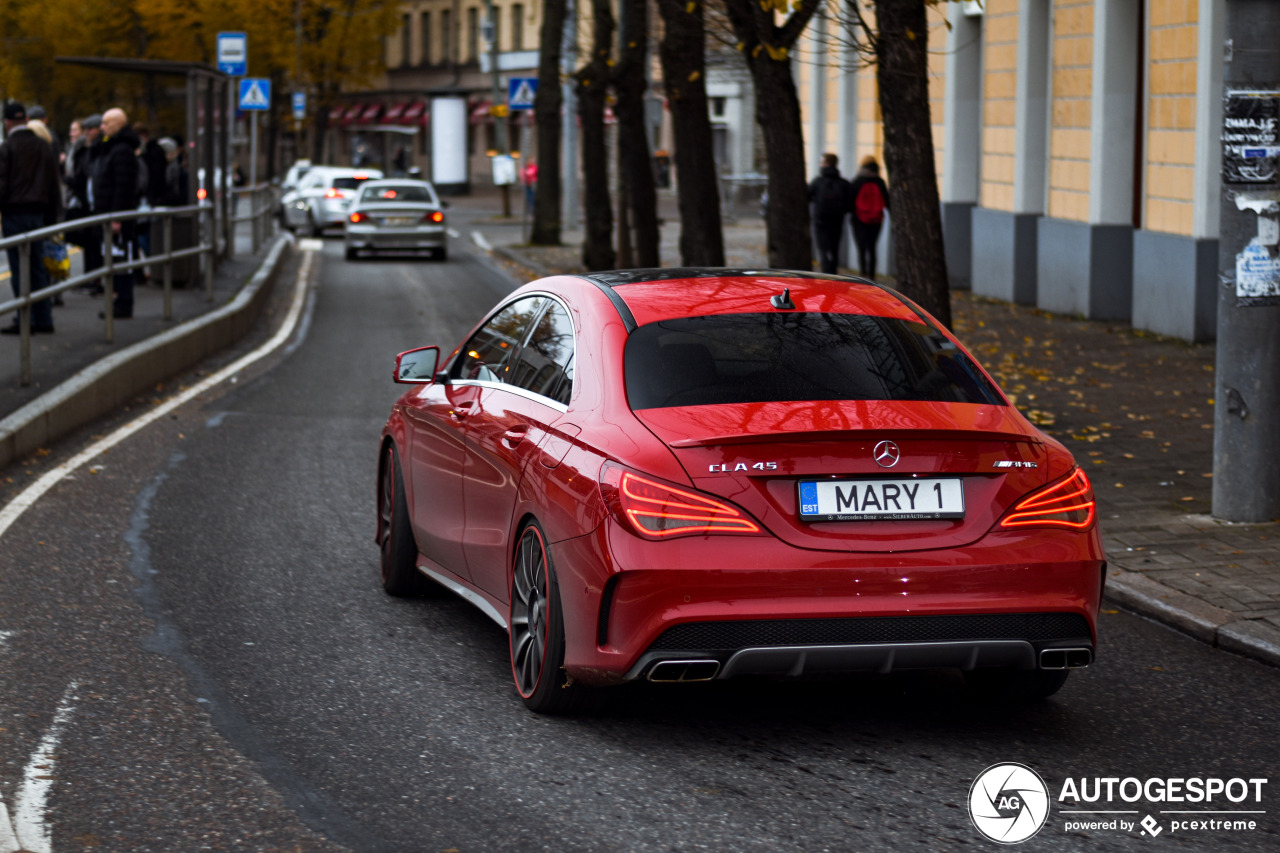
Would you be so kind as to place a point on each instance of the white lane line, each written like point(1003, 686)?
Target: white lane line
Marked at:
point(8, 840)
point(28, 496)
point(453, 232)
point(5, 636)
point(479, 240)
point(30, 803)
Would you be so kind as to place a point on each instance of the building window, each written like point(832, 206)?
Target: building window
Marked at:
point(717, 107)
point(473, 34)
point(425, 38)
point(517, 26)
point(446, 36)
point(406, 41)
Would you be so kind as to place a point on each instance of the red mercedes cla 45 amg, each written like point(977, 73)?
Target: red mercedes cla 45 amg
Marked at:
point(686, 475)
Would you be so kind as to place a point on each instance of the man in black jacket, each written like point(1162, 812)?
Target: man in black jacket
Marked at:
point(829, 194)
point(115, 190)
point(30, 199)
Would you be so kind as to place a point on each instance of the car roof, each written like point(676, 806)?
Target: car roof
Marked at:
point(344, 172)
point(652, 295)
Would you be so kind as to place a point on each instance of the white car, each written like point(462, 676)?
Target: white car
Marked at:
point(323, 197)
point(396, 214)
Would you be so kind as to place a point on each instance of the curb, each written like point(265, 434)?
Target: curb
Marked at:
point(115, 380)
point(524, 263)
point(1214, 625)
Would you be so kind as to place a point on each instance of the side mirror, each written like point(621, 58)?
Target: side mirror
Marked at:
point(417, 366)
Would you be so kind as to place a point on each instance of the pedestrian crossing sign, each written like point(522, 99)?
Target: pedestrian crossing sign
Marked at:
point(255, 93)
point(521, 91)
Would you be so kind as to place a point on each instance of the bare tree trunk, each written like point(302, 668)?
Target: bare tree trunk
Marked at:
point(902, 72)
point(683, 53)
point(767, 48)
point(634, 160)
point(546, 106)
point(593, 85)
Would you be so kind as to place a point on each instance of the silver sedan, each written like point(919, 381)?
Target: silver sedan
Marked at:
point(396, 215)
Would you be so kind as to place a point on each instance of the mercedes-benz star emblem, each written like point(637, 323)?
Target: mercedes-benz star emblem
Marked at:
point(886, 454)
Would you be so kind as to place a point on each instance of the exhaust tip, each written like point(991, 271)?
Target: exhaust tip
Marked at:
point(672, 671)
point(1066, 658)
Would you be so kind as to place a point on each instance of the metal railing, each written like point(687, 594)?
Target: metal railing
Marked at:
point(261, 208)
point(162, 216)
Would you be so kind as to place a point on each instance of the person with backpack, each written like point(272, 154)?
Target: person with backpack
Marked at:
point(870, 201)
point(829, 195)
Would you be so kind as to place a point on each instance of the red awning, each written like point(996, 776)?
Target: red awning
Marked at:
point(394, 112)
point(480, 112)
point(415, 113)
point(352, 113)
point(370, 114)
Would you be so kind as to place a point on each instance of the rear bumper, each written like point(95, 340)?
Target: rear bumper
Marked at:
point(752, 607)
point(373, 237)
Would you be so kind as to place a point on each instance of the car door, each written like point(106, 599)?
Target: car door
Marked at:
point(295, 212)
point(504, 432)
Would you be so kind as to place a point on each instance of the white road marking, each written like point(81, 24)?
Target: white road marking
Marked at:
point(5, 636)
point(30, 828)
point(28, 496)
point(479, 240)
point(311, 244)
point(453, 232)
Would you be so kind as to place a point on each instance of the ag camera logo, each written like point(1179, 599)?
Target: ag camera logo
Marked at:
point(1008, 803)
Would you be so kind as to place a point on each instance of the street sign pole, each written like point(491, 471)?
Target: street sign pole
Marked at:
point(1246, 454)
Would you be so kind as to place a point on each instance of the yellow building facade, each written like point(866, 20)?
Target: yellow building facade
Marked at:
point(1077, 150)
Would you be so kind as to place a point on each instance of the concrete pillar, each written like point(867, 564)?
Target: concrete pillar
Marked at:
point(962, 141)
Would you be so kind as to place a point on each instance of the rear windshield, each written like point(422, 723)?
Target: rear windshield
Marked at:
point(384, 193)
point(774, 357)
point(348, 183)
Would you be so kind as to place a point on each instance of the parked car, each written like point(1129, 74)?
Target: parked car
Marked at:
point(290, 183)
point(398, 215)
point(686, 475)
point(323, 196)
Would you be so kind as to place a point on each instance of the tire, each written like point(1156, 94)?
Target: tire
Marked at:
point(1015, 685)
point(313, 226)
point(536, 641)
point(442, 254)
point(399, 552)
point(352, 254)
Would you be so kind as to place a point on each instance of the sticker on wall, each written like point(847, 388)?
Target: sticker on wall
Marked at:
point(1251, 137)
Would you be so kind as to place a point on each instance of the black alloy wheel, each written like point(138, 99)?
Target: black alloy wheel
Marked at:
point(398, 569)
point(537, 632)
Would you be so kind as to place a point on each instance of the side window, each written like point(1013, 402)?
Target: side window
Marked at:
point(545, 365)
point(487, 356)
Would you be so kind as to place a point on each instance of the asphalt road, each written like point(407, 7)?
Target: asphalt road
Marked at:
point(203, 609)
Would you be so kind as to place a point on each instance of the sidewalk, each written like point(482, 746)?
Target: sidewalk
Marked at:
point(79, 343)
point(1136, 410)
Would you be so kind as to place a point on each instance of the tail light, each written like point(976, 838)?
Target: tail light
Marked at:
point(1066, 503)
point(434, 216)
point(202, 194)
point(357, 217)
point(333, 192)
point(657, 510)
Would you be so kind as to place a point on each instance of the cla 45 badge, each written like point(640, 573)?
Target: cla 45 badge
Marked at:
point(729, 468)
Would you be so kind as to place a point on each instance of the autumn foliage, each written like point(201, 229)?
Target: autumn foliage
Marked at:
point(340, 45)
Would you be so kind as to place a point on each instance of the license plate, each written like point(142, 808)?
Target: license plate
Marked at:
point(891, 500)
point(399, 220)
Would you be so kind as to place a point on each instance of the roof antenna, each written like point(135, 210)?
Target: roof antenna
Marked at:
point(782, 300)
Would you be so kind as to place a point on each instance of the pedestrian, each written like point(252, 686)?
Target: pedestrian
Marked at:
point(870, 201)
point(530, 182)
point(829, 195)
point(151, 166)
point(115, 189)
point(172, 188)
point(37, 113)
point(401, 162)
point(78, 178)
point(30, 199)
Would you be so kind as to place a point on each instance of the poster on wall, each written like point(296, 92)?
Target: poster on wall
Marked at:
point(1251, 137)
